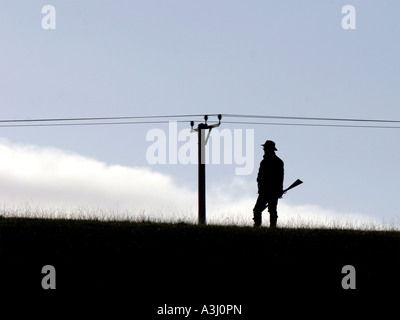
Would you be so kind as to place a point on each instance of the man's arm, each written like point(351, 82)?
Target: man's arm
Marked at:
point(281, 178)
point(260, 173)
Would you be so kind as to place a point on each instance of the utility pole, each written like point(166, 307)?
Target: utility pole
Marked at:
point(202, 141)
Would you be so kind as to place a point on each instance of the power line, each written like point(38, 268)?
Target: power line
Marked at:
point(226, 115)
point(89, 121)
point(309, 118)
point(84, 124)
point(185, 121)
point(310, 125)
point(103, 118)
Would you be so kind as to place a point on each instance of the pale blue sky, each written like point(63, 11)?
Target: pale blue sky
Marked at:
point(289, 58)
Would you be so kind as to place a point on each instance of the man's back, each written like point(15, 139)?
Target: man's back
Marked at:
point(270, 174)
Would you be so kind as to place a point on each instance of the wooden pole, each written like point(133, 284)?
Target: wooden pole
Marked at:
point(202, 173)
point(201, 131)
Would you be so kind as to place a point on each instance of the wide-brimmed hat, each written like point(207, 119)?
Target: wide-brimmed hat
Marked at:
point(269, 145)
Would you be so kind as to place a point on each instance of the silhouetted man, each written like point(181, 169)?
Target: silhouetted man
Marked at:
point(270, 185)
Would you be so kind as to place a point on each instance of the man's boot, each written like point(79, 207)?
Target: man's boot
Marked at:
point(257, 220)
point(272, 221)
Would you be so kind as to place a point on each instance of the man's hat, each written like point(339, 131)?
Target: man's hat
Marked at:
point(269, 145)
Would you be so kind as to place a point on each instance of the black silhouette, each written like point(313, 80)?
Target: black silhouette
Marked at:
point(270, 185)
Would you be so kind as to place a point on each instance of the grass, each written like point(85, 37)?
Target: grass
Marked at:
point(170, 217)
point(153, 263)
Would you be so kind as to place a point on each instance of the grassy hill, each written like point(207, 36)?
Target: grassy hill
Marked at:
point(136, 267)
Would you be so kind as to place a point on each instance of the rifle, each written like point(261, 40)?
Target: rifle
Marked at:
point(293, 185)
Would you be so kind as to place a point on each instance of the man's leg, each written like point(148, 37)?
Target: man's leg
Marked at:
point(273, 213)
point(258, 209)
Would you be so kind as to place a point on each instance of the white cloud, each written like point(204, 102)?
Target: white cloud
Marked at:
point(48, 179)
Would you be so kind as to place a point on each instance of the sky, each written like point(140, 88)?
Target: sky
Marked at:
point(151, 58)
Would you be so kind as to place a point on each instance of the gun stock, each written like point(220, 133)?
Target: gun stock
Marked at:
point(293, 185)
